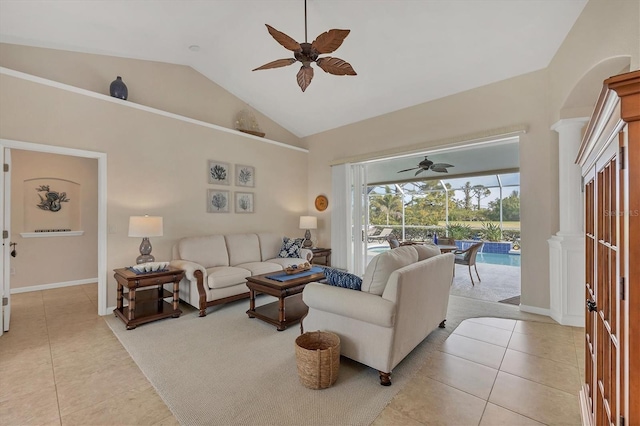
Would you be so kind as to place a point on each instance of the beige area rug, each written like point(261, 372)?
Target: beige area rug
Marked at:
point(227, 369)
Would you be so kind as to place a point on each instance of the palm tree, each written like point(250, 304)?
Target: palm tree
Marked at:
point(388, 204)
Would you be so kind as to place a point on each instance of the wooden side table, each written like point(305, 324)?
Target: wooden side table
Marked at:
point(321, 252)
point(148, 305)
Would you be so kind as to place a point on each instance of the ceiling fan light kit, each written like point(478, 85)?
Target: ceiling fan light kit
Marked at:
point(307, 53)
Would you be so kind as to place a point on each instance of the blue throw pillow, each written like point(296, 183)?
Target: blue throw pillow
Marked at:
point(338, 278)
point(291, 247)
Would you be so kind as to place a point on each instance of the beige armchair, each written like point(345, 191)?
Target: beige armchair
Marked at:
point(404, 297)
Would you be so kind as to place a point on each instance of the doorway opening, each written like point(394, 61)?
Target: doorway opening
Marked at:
point(6, 146)
point(462, 195)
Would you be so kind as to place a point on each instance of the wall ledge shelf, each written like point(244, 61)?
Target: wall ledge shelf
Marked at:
point(51, 234)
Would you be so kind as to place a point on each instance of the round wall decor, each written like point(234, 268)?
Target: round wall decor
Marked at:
point(321, 203)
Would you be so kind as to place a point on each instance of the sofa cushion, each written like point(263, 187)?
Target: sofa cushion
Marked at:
point(226, 276)
point(270, 245)
point(243, 248)
point(338, 278)
point(427, 250)
point(291, 247)
point(208, 251)
point(257, 268)
point(377, 273)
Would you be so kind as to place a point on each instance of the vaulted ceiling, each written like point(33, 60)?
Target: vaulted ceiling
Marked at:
point(405, 52)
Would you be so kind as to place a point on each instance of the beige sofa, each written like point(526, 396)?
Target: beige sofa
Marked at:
point(403, 298)
point(216, 266)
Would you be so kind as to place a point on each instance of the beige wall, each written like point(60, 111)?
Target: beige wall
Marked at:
point(52, 260)
point(174, 88)
point(604, 29)
point(157, 165)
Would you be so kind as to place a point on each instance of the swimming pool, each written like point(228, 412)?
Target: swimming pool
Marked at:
point(499, 259)
point(492, 258)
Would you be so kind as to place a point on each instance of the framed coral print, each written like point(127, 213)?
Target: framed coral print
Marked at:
point(218, 172)
point(245, 176)
point(217, 201)
point(244, 202)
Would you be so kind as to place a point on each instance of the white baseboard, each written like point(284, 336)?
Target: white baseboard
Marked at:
point(536, 310)
point(53, 285)
point(570, 320)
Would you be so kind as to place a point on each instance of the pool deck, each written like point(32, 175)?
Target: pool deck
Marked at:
point(498, 282)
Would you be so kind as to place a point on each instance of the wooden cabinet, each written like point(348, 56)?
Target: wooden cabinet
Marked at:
point(610, 160)
point(146, 305)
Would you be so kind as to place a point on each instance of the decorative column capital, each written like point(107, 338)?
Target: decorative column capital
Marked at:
point(567, 123)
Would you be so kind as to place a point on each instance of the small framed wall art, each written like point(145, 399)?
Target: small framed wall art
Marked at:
point(244, 202)
point(218, 172)
point(245, 176)
point(217, 201)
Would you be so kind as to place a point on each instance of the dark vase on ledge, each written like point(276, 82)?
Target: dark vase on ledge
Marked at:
point(118, 89)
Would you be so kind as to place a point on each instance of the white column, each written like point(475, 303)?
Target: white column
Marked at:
point(566, 248)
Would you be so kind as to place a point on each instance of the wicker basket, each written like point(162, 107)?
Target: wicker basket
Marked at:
point(318, 359)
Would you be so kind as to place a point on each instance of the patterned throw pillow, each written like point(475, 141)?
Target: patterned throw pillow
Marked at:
point(338, 278)
point(291, 247)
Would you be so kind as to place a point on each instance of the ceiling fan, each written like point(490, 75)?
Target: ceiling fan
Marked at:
point(427, 164)
point(307, 53)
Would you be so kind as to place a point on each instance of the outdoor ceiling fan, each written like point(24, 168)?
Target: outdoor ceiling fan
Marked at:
point(427, 164)
point(307, 53)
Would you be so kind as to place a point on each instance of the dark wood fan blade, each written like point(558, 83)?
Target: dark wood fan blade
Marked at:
point(286, 41)
point(439, 169)
point(441, 165)
point(304, 77)
point(276, 64)
point(329, 41)
point(335, 66)
point(419, 171)
point(406, 170)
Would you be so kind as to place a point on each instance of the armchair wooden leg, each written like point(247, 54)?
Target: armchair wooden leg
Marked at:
point(471, 276)
point(476, 268)
point(385, 378)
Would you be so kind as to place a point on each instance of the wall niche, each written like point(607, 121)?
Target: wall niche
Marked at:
point(51, 207)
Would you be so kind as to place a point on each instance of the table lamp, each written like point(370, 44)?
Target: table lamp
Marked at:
point(145, 226)
point(308, 223)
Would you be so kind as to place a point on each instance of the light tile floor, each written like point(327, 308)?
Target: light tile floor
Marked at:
point(493, 371)
point(60, 364)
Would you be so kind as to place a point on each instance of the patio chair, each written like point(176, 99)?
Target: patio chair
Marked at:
point(393, 241)
point(468, 257)
point(446, 241)
point(382, 235)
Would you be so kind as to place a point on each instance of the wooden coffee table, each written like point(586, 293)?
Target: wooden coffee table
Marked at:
point(289, 308)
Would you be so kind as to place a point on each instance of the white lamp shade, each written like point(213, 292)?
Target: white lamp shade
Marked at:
point(308, 222)
point(145, 226)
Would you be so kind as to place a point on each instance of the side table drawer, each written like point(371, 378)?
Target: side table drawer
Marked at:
point(143, 282)
point(166, 279)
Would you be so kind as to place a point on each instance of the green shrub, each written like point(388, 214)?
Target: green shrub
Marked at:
point(491, 231)
point(459, 231)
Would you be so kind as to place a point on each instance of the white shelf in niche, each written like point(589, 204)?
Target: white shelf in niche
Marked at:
point(51, 234)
